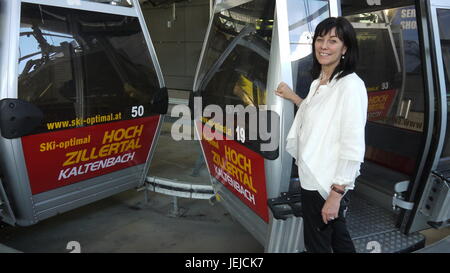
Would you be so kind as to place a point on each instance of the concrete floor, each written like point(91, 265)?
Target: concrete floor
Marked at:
point(123, 223)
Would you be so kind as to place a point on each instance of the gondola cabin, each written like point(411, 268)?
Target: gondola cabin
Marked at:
point(251, 46)
point(82, 96)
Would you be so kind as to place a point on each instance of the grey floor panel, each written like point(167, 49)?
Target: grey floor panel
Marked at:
point(364, 218)
point(373, 230)
point(389, 242)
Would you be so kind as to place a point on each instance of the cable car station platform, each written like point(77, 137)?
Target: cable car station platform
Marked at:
point(93, 95)
point(124, 223)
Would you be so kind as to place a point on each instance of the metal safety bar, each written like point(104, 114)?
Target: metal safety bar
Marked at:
point(178, 188)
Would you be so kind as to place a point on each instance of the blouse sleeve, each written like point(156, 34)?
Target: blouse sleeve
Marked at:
point(353, 121)
point(346, 173)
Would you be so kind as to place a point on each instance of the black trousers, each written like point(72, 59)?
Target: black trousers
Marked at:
point(322, 238)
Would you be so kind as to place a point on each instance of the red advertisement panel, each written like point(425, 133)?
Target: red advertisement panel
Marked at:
point(238, 168)
point(60, 158)
point(379, 104)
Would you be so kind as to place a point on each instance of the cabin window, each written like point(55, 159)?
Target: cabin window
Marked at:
point(236, 61)
point(235, 65)
point(303, 18)
point(83, 68)
point(394, 81)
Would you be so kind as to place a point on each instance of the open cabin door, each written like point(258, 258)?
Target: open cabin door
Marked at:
point(82, 107)
point(432, 197)
point(401, 116)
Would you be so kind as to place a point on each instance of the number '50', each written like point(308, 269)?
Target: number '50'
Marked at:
point(137, 111)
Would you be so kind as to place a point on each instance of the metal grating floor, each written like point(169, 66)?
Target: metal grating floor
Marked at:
point(364, 218)
point(389, 242)
point(372, 229)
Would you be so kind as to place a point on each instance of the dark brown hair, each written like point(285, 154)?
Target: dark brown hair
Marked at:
point(346, 33)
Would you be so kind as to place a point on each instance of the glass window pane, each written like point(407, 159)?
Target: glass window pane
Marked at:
point(390, 65)
point(236, 60)
point(303, 18)
point(83, 68)
point(234, 69)
point(46, 76)
point(394, 82)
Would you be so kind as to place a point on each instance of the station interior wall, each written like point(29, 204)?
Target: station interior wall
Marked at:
point(178, 39)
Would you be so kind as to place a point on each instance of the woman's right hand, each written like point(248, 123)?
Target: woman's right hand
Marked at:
point(284, 91)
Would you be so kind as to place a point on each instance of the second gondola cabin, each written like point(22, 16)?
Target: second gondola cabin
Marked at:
point(253, 45)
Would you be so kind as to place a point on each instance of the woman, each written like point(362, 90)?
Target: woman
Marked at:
point(327, 136)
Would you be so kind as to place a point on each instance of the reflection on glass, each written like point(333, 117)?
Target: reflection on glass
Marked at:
point(389, 63)
point(236, 60)
point(46, 77)
point(303, 18)
point(235, 64)
point(390, 66)
point(77, 64)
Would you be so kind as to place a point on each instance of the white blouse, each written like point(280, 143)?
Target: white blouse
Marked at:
point(327, 136)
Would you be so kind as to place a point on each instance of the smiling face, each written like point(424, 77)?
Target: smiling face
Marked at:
point(329, 49)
